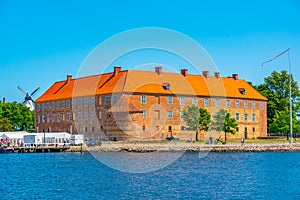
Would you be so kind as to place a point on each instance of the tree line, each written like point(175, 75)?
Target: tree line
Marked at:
point(15, 117)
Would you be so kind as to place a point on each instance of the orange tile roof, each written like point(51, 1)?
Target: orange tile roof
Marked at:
point(130, 81)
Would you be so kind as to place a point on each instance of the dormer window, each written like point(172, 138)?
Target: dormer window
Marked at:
point(166, 86)
point(242, 91)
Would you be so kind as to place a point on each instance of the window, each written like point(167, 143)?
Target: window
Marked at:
point(79, 103)
point(100, 100)
point(106, 100)
point(194, 101)
point(53, 105)
point(237, 103)
point(170, 114)
point(86, 115)
point(253, 129)
point(58, 117)
point(79, 116)
point(47, 106)
point(48, 117)
point(100, 115)
point(38, 119)
point(63, 104)
point(73, 103)
point(182, 128)
point(93, 101)
point(68, 116)
point(170, 100)
point(246, 117)
point(246, 104)
point(217, 102)
point(143, 128)
point(181, 100)
point(58, 104)
point(53, 118)
point(92, 115)
point(205, 101)
point(253, 104)
point(144, 114)
point(38, 107)
point(261, 105)
point(253, 117)
point(181, 114)
point(143, 99)
point(43, 106)
point(68, 104)
point(156, 114)
point(228, 103)
point(114, 99)
point(86, 102)
point(237, 116)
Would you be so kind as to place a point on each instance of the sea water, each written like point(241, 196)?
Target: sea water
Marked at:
point(214, 176)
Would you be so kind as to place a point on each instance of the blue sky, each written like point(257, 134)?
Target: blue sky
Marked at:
point(43, 41)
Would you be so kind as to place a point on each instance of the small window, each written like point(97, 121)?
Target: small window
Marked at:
point(48, 106)
point(181, 114)
point(86, 115)
point(63, 104)
point(246, 117)
point(58, 104)
point(242, 91)
point(53, 105)
point(253, 129)
point(68, 104)
point(253, 117)
point(245, 103)
point(79, 116)
point(92, 115)
point(93, 101)
point(237, 129)
point(170, 100)
point(194, 101)
point(237, 116)
point(100, 100)
point(237, 103)
point(170, 114)
point(58, 117)
point(106, 100)
point(261, 105)
point(86, 102)
point(253, 105)
point(53, 118)
point(166, 86)
point(43, 106)
point(217, 102)
point(182, 100)
point(73, 103)
point(144, 114)
point(228, 103)
point(143, 99)
point(114, 99)
point(205, 101)
point(143, 128)
point(68, 116)
point(99, 115)
point(38, 107)
point(79, 103)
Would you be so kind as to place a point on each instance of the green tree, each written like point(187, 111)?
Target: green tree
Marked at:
point(18, 115)
point(197, 119)
point(276, 89)
point(5, 125)
point(222, 122)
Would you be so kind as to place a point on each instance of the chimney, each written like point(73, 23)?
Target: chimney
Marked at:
point(158, 70)
point(205, 74)
point(69, 78)
point(235, 76)
point(117, 69)
point(184, 72)
point(217, 75)
point(4, 100)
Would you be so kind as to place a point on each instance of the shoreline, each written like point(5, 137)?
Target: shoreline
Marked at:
point(142, 147)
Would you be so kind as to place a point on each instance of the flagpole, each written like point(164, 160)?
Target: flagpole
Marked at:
point(290, 87)
point(291, 107)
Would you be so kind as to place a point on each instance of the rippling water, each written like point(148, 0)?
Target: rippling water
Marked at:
point(216, 176)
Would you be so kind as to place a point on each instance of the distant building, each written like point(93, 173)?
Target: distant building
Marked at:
point(134, 104)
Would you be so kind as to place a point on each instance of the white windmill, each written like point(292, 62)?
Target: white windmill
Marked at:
point(28, 101)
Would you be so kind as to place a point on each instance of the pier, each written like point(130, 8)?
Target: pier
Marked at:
point(42, 148)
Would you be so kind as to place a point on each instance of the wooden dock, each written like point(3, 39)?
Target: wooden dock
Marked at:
point(41, 148)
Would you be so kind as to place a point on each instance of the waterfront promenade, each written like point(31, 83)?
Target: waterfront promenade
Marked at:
point(143, 147)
